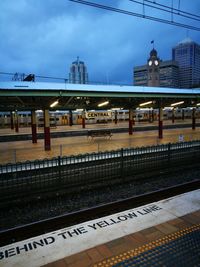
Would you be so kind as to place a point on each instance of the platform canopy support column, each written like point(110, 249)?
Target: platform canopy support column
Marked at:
point(115, 120)
point(33, 127)
point(173, 115)
point(133, 117)
point(130, 121)
point(193, 119)
point(70, 118)
point(11, 121)
point(183, 114)
point(83, 119)
point(160, 123)
point(152, 112)
point(16, 122)
point(47, 138)
point(151, 115)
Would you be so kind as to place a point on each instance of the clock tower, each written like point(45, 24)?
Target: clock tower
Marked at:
point(153, 69)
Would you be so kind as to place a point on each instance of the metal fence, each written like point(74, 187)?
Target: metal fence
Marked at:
point(26, 178)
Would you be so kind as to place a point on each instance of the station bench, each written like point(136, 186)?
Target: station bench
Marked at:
point(99, 133)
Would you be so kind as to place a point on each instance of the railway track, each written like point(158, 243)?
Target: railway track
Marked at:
point(66, 220)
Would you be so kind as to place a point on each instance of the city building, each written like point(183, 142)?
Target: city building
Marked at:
point(153, 69)
point(187, 54)
point(169, 74)
point(140, 75)
point(157, 72)
point(78, 72)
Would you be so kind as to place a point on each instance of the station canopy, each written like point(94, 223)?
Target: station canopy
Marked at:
point(23, 95)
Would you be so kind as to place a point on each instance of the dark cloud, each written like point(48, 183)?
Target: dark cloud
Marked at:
point(44, 37)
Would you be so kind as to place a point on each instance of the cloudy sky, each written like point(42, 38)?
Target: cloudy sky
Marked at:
point(44, 37)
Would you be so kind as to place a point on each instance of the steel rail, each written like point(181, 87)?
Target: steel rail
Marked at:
point(44, 226)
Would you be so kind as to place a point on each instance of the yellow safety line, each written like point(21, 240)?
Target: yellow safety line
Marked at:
point(151, 245)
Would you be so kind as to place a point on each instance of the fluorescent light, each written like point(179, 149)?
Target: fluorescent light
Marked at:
point(54, 104)
point(116, 108)
point(198, 104)
point(79, 109)
point(177, 103)
point(145, 103)
point(103, 104)
point(167, 108)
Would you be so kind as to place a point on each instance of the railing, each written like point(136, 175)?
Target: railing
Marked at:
point(60, 173)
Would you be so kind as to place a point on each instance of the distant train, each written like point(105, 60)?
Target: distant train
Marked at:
point(62, 117)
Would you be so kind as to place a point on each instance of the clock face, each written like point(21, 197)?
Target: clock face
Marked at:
point(150, 62)
point(156, 62)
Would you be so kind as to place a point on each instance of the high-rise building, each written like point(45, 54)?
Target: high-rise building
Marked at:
point(169, 74)
point(157, 72)
point(187, 54)
point(78, 72)
point(140, 75)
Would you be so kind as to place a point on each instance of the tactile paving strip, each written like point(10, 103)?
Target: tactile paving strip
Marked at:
point(178, 249)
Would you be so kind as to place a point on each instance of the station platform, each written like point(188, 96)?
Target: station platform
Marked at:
point(15, 151)
point(163, 233)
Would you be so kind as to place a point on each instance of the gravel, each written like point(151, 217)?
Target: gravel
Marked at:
point(47, 208)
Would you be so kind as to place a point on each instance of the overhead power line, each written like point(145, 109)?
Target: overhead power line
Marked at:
point(181, 12)
point(167, 9)
point(125, 12)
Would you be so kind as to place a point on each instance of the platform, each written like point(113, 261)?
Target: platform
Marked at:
point(163, 233)
point(11, 152)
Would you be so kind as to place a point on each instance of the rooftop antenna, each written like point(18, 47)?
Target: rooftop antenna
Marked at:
point(152, 42)
point(78, 59)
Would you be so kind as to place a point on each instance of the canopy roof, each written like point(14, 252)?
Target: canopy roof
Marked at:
point(39, 95)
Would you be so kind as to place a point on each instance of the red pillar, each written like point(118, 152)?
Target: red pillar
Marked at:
point(173, 117)
point(47, 138)
point(70, 118)
point(33, 127)
point(130, 121)
point(16, 122)
point(83, 119)
point(183, 114)
point(160, 123)
point(133, 118)
point(193, 119)
point(115, 116)
point(152, 115)
point(11, 121)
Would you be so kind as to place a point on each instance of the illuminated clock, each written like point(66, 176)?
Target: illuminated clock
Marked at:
point(156, 62)
point(150, 62)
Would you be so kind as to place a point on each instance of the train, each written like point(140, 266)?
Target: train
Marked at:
point(62, 117)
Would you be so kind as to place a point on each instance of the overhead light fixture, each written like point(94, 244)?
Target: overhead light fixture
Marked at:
point(177, 103)
point(103, 104)
point(54, 104)
point(198, 104)
point(116, 109)
point(167, 108)
point(145, 103)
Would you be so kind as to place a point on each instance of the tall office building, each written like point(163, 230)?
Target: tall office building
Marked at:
point(169, 74)
point(78, 72)
point(187, 54)
point(157, 72)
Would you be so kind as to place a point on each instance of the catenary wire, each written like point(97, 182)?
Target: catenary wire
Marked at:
point(109, 8)
point(178, 10)
point(166, 10)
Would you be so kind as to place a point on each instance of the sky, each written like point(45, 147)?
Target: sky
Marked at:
point(44, 37)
